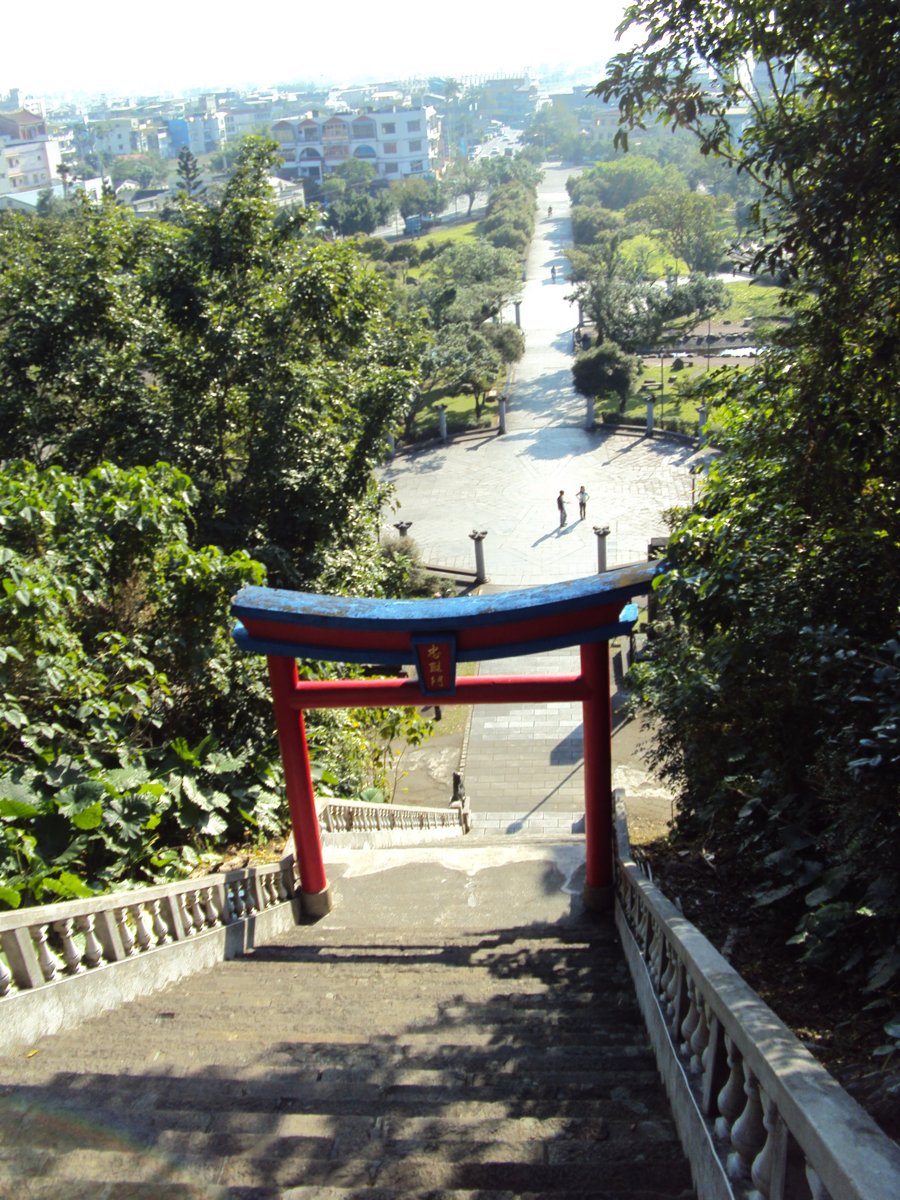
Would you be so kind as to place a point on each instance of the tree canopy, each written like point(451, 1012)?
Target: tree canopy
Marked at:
point(774, 671)
point(262, 362)
point(186, 406)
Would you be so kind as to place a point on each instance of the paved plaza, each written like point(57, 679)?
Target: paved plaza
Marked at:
point(507, 485)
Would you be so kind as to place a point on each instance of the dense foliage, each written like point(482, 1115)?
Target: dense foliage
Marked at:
point(774, 669)
point(268, 368)
point(264, 363)
point(116, 661)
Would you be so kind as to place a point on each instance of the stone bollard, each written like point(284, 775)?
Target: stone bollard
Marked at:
point(442, 421)
point(589, 413)
point(518, 304)
point(651, 405)
point(602, 532)
point(501, 415)
point(701, 424)
point(478, 536)
point(392, 446)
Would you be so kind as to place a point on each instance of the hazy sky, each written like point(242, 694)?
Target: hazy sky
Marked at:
point(107, 46)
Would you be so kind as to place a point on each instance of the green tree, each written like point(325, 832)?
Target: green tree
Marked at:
point(188, 171)
point(621, 182)
point(264, 364)
point(604, 370)
point(472, 282)
point(71, 331)
point(465, 178)
point(774, 666)
point(690, 224)
point(417, 195)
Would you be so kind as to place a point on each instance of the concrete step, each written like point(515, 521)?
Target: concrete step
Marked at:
point(353, 1064)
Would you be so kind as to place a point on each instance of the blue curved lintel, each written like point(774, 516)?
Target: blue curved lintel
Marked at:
point(451, 613)
point(399, 658)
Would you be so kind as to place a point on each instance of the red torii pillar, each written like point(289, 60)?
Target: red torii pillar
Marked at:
point(436, 635)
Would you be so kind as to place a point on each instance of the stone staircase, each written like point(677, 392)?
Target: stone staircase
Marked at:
point(360, 1059)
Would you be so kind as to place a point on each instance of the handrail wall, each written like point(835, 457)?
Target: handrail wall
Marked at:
point(63, 962)
point(759, 1117)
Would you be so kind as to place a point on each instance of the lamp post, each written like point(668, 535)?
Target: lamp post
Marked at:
point(602, 532)
point(478, 536)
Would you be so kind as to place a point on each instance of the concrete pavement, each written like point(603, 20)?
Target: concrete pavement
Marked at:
point(522, 765)
point(507, 485)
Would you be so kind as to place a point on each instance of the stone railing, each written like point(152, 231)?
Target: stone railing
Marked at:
point(760, 1119)
point(375, 822)
point(77, 957)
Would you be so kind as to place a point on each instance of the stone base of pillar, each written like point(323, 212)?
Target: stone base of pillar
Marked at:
point(598, 899)
point(312, 905)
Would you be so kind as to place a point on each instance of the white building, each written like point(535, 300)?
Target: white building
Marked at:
point(398, 142)
point(28, 199)
point(28, 166)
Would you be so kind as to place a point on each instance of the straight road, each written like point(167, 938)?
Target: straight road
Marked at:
point(507, 485)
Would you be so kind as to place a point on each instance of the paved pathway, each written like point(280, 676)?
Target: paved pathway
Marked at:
point(508, 485)
point(523, 764)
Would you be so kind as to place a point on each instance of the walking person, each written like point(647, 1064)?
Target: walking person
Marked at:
point(561, 505)
point(582, 497)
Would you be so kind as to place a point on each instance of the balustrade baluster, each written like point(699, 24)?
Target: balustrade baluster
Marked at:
point(700, 1037)
point(817, 1189)
point(207, 907)
point(730, 1099)
point(70, 952)
point(124, 929)
point(748, 1134)
point(142, 931)
point(673, 992)
point(48, 963)
point(769, 1168)
point(657, 953)
point(5, 978)
point(680, 1003)
point(93, 951)
point(160, 929)
point(182, 905)
point(637, 907)
point(713, 1065)
point(667, 978)
point(691, 1019)
point(198, 917)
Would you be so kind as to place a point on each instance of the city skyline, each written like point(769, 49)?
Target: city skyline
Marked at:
point(103, 48)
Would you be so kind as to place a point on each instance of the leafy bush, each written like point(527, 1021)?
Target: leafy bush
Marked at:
point(127, 715)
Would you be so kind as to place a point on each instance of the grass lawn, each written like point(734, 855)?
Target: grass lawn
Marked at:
point(751, 301)
point(460, 414)
point(441, 235)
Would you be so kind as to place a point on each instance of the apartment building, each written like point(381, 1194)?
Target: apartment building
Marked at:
point(21, 126)
point(27, 165)
point(398, 142)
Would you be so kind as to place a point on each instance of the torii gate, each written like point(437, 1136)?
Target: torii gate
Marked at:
point(435, 635)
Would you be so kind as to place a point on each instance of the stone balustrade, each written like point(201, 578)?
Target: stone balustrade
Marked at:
point(62, 962)
point(361, 816)
point(44, 945)
point(759, 1117)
